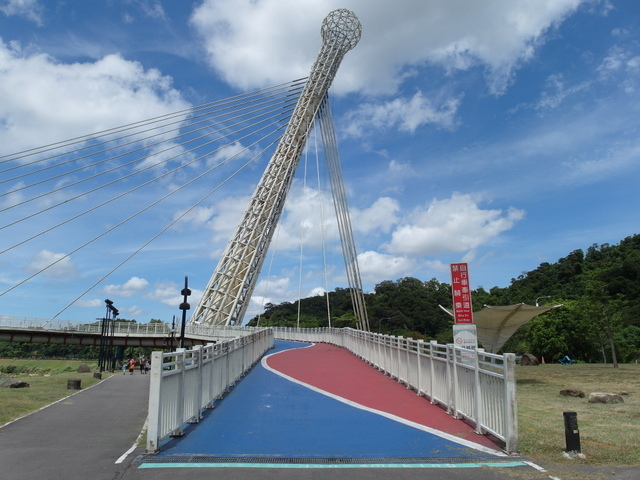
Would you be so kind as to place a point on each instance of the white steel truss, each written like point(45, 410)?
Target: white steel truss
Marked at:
point(226, 297)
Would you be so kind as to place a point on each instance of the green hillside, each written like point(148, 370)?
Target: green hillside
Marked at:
point(599, 322)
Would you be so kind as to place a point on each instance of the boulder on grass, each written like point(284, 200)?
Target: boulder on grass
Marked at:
point(572, 392)
point(14, 383)
point(601, 397)
point(84, 368)
point(528, 359)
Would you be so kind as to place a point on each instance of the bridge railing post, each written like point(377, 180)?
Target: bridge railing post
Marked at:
point(510, 404)
point(180, 365)
point(478, 393)
point(198, 352)
point(432, 347)
point(153, 426)
point(450, 394)
point(419, 349)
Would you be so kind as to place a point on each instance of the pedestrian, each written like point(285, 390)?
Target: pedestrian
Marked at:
point(124, 367)
point(132, 365)
point(147, 366)
point(142, 366)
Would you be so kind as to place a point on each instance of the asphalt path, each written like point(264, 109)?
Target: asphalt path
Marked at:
point(80, 437)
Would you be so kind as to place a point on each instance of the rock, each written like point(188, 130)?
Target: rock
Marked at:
point(14, 383)
point(600, 397)
point(84, 368)
point(572, 392)
point(528, 359)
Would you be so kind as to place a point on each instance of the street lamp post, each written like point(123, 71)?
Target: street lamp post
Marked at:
point(545, 296)
point(106, 358)
point(385, 318)
point(184, 306)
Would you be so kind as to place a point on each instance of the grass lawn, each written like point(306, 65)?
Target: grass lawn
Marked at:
point(47, 381)
point(609, 433)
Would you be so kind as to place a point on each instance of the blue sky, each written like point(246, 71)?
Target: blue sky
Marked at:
point(501, 133)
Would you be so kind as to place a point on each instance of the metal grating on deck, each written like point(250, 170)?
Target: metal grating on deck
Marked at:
point(316, 461)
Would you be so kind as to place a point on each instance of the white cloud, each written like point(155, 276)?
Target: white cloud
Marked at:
point(221, 218)
point(317, 292)
point(556, 92)
point(310, 218)
point(621, 66)
point(271, 289)
point(91, 303)
point(13, 196)
point(452, 225)
point(381, 216)
point(168, 293)
point(275, 287)
point(227, 213)
point(131, 312)
point(151, 8)
point(374, 266)
point(57, 100)
point(131, 287)
point(614, 61)
point(253, 44)
point(56, 265)
point(29, 9)
point(596, 166)
point(404, 114)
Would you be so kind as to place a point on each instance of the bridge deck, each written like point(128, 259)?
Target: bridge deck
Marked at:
point(321, 402)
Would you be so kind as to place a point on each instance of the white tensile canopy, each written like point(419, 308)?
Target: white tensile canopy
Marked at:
point(495, 325)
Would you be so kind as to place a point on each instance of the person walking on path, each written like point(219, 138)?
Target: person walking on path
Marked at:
point(124, 367)
point(132, 365)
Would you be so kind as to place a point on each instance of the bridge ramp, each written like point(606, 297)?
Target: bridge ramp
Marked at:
point(319, 402)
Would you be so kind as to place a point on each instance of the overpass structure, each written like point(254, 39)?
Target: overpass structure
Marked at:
point(125, 334)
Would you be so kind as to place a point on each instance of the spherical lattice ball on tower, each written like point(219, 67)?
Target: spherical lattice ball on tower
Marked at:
point(341, 28)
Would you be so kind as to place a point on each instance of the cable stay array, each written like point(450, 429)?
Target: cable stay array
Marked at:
point(93, 176)
point(342, 214)
point(114, 192)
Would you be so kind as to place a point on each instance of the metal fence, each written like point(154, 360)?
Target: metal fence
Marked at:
point(473, 385)
point(185, 382)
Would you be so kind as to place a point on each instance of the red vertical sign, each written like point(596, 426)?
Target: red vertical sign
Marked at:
point(461, 292)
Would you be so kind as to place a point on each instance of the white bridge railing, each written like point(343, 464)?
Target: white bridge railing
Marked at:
point(473, 385)
point(185, 382)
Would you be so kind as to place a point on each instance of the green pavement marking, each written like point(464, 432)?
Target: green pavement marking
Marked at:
point(314, 465)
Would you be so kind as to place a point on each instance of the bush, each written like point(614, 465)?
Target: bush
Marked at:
point(8, 369)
